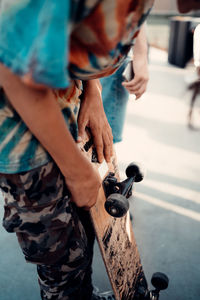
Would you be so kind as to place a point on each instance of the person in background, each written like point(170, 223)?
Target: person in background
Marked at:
point(195, 86)
point(185, 6)
point(196, 49)
point(116, 89)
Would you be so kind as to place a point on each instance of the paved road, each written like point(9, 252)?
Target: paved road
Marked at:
point(166, 204)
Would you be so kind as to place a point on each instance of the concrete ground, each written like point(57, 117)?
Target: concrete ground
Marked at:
point(165, 207)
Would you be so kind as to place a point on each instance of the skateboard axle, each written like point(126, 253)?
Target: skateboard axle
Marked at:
point(160, 282)
point(117, 193)
point(111, 185)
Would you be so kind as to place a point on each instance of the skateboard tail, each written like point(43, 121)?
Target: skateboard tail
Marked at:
point(120, 255)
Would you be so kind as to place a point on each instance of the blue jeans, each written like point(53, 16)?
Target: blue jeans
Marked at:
point(115, 98)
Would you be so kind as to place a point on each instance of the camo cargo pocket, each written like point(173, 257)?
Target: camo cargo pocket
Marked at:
point(38, 208)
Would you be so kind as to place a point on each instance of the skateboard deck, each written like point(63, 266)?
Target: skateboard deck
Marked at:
point(116, 239)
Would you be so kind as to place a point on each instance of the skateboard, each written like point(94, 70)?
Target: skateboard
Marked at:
point(114, 232)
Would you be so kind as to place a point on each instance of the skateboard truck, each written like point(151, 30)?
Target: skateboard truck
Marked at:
point(117, 193)
point(160, 282)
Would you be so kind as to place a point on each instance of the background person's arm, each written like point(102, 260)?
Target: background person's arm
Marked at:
point(184, 6)
point(196, 48)
point(43, 116)
point(138, 84)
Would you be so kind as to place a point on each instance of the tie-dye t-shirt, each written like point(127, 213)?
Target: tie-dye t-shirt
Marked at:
point(58, 44)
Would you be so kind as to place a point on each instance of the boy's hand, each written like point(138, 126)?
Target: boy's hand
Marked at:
point(83, 181)
point(92, 115)
point(85, 186)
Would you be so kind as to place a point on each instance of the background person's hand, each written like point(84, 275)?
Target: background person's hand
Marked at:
point(138, 84)
point(92, 115)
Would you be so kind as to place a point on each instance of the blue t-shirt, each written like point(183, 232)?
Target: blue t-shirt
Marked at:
point(58, 44)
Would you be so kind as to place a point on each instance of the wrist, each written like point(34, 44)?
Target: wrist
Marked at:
point(78, 168)
point(93, 85)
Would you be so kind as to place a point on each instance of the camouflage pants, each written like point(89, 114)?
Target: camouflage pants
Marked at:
point(52, 232)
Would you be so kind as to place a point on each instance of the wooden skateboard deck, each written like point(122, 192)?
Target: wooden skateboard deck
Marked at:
point(116, 239)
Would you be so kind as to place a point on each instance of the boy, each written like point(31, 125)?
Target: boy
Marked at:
point(51, 54)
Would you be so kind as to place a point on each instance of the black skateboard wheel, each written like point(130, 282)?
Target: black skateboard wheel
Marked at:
point(160, 281)
point(116, 205)
point(133, 170)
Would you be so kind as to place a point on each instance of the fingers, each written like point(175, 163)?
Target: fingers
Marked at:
point(134, 82)
point(134, 86)
point(137, 87)
point(139, 92)
point(102, 137)
point(108, 147)
point(103, 144)
point(108, 143)
point(98, 142)
point(82, 123)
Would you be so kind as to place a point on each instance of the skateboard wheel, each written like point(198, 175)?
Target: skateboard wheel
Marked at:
point(133, 170)
point(160, 281)
point(117, 205)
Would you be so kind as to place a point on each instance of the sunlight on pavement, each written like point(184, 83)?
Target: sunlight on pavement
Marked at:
point(168, 206)
point(170, 111)
point(174, 190)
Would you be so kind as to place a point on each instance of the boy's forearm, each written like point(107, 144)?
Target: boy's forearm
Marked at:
point(42, 115)
point(93, 83)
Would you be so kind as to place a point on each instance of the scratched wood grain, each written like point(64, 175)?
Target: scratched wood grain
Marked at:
point(116, 242)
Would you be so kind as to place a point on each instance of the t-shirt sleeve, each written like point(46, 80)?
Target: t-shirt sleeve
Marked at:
point(34, 37)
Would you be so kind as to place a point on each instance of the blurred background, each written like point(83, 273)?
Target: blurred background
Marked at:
point(166, 205)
